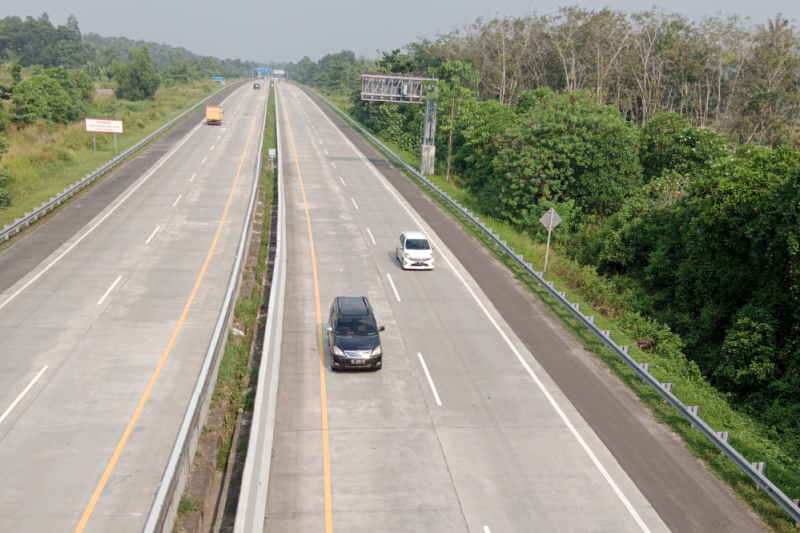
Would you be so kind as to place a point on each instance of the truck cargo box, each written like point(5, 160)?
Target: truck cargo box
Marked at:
point(213, 114)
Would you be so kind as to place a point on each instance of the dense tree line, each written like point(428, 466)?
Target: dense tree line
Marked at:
point(62, 66)
point(689, 206)
point(37, 42)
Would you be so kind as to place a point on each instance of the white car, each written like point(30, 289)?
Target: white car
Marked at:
point(414, 251)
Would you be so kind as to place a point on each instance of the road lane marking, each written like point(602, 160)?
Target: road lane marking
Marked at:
point(371, 237)
point(354, 202)
point(317, 134)
point(486, 529)
point(88, 232)
point(151, 236)
point(433, 388)
point(204, 160)
point(343, 183)
point(393, 287)
point(319, 140)
point(109, 289)
point(326, 152)
point(212, 147)
point(118, 451)
point(220, 137)
point(22, 394)
point(193, 175)
point(531, 373)
point(334, 164)
point(178, 200)
point(326, 450)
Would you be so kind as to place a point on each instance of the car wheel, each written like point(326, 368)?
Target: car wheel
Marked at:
point(333, 369)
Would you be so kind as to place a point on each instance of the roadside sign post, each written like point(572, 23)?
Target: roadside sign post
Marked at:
point(220, 79)
point(272, 155)
point(103, 125)
point(549, 220)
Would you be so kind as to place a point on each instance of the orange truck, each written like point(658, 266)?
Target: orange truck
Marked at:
point(213, 114)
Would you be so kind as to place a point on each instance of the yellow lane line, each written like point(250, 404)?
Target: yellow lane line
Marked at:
point(326, 451)
point(100, 486)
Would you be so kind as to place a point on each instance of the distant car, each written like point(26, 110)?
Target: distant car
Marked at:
point(414, 251)
point(256, 86)
point(353, 335)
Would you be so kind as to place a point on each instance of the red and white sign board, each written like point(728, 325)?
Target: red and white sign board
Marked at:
point(103, 125)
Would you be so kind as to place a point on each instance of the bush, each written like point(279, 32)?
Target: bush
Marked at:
point(78, 86)
point(137, 79)
point(39, 98)
point(566, 146)
point(5, 194)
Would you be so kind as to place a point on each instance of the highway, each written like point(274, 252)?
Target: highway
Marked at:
point(462, 429)
point(102, 339)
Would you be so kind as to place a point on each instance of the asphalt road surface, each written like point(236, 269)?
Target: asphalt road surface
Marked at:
point(463, 429)
point(101, 340)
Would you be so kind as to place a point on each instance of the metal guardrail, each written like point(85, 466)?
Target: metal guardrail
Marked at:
point(48, 206)
point(753, 470)
point(252, 504)
point(164, 509)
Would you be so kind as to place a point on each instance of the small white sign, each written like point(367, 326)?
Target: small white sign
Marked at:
point(550, 219)
point(278, 72)
point(272, 153)
point(103, 125)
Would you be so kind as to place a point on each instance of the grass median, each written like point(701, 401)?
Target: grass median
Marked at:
point(649, 342)
point(234, 389)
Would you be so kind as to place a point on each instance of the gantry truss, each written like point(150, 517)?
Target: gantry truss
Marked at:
point(393, 88)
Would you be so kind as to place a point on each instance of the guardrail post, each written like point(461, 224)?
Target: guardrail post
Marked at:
point(667, 386)
point(624, 349)
point(694, 409)
point(759, 466)
point(645, 367)
point(590, 319)
point(724, 435)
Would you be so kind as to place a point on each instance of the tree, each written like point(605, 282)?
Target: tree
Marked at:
point(39, 98)
point(567, 147)
point(138, 78)
point(456, 80)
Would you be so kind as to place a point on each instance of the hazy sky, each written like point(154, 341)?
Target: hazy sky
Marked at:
point(289, 29)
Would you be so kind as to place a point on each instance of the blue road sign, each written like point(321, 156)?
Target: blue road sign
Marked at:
point(218, 78)
point(263, 71)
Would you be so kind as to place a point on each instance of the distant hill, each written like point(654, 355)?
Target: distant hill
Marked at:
point(163, 54)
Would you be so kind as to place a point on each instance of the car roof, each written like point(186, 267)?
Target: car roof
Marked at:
point(353, 306)
point(414, 235)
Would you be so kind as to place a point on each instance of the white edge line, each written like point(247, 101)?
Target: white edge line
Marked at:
point(343, 183)
point(111, 288)
point(22, 394)
point(326, 152)
point(178, 200)
point(354, 202)
point(393, 287)
point(334, 164)
point(151, 235)
point(371, 237)
point(430, 381)
point(552, 400)
point(193, 175)
point(204, 160)
point(212, 146)
point(486, 529)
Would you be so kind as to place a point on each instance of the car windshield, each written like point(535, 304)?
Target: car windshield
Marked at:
point(417, 244)
point(356, 327)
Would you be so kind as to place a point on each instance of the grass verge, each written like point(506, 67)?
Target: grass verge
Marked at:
point(235, 379)
point(649, 343)
point(44, 159)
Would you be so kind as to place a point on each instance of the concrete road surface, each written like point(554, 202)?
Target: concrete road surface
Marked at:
point(83, 333)
point(462, 429)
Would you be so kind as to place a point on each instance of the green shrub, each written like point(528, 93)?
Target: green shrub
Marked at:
point(567, 146)
point(138, 79)
point(5, 193)
point(39, 98)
